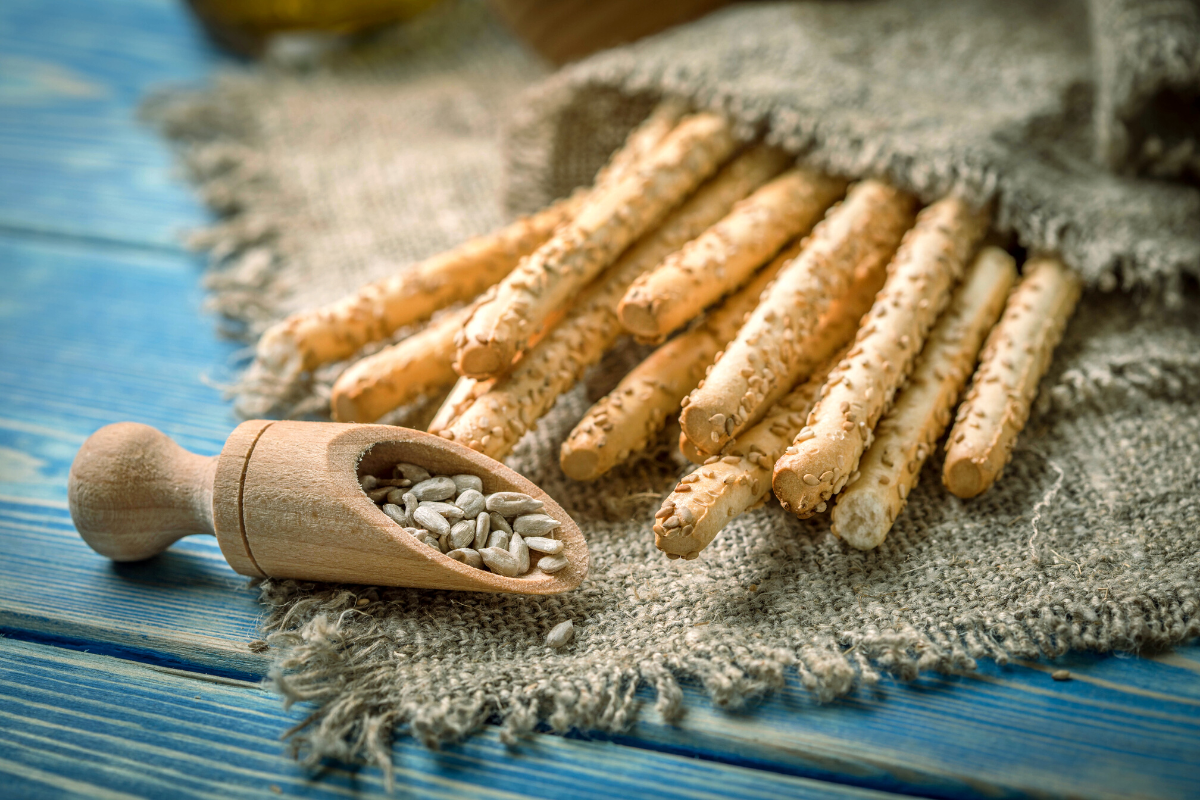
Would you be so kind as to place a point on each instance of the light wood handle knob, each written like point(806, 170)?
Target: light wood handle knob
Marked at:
point(133, 492)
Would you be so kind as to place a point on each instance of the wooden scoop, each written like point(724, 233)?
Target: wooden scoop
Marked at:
point(284, 500)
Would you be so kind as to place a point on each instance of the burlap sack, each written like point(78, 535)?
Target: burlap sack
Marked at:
point(1091, 540)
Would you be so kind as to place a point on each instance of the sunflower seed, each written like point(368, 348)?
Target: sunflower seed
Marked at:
point(411, 471)
point(500, 561)
point(483, 526)
point(368, 482)
point(380, 494)
point(520, 551)
point(561, 634)
point(467, 556)
point(439, 488)
point(498, 539)
point(464, 482)
point(471, 502)
point(395, 496)
point(462, 534)
point(552, 564)
point(534, 524)
point(499, 523)
point(431, 521)
point(397, 514)
point(451, 512)
point(543, 545)
point(512, 504)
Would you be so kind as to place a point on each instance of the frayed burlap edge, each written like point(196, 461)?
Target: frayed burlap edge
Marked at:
point(328, 650)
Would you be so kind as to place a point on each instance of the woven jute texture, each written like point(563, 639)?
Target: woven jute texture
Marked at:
point(1091, 540)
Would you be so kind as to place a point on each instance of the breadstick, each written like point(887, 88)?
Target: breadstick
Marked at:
point(920, 278)
point(767, 358)
point(398, 374)
point(628, 418)
point(1014, 360)
point(726, 255)
point(727, 486)
point(610, 219)
point(907, 434)
point(496, 421)
point(464, 392)
point(307, 339)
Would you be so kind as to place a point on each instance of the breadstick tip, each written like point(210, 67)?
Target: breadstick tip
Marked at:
point(483, 360)
point(862, 520)
point(579, 464)
point(964, 477)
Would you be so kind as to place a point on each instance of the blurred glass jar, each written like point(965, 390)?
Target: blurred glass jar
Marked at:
point(245, 26)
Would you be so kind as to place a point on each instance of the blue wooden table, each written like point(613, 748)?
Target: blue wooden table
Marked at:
point(136, 680)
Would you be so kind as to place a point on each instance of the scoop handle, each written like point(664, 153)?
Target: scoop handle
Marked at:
point(133, 492)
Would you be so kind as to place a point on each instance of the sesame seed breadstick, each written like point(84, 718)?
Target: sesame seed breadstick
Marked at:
point(497, 420)
point(307, 339)
point(1014, 360)
point(625, 421)
point(727, 486)
point(399, 374)
point(920, 278)
point(907, 434)
point(610, 219)
point(464, 392)
point(727, 254)
point(767, 358)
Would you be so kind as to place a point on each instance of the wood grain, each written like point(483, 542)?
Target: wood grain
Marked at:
point(79, 725)
point(93, 332)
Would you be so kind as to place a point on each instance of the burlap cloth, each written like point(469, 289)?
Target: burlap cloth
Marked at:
point(362, 161)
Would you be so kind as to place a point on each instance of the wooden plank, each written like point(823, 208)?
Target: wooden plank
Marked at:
point(96, 337)
point(73, 724)
point(92, 337)
point(75, 159)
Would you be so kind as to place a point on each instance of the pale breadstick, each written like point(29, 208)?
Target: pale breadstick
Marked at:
point(628, 418)
point(464, 392)
point(726, 255)
point(1014, 360)
point(766, 359)
point(907, 434)
point(398, 374)
point(610, 219)
point(307, 339)
point(496, 421)
point(920, 278)
point(727, 486)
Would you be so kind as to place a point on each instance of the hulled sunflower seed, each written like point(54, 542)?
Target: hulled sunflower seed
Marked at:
point(397, 514)
point(552, 564)
point(411, 471)
point(464, 482)
point(561, 634)
point(498, 539)
point(451, 512)
point(534, 524)
point(520, 551)
point(499, 523)
point(512, 504)
point(380, 494)
point(395, 496)
point(368, 482)
point(543, 545)
point(467, 556)
point(500, 561)
point(431, 521)
point(471, 502)
point(462, 534)
point(439, 488)
point(483, 526)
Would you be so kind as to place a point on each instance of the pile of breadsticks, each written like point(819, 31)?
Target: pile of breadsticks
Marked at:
point(828, 331)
